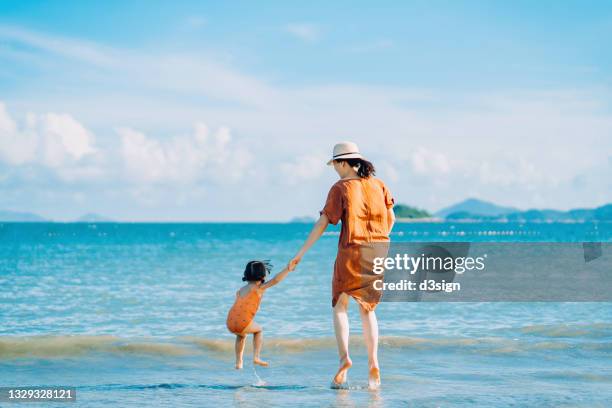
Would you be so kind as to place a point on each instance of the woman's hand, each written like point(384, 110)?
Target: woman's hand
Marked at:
point(294, 262)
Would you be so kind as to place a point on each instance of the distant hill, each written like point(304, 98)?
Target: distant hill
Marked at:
point(93, 217)
point(408, 212)
point(474, 206)
point(603, 213)
point(15, 216)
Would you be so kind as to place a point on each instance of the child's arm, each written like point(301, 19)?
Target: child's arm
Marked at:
point(276, 279)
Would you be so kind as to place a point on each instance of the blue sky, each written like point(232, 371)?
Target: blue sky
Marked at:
point(227, 111)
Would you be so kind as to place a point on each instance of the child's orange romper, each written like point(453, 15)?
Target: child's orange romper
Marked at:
point(243, 311)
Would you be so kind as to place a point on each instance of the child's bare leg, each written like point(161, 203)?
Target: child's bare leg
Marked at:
point(257, 332)
point(257, 343)
point(240, 342)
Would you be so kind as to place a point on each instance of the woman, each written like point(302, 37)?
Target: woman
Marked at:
point(365, 207)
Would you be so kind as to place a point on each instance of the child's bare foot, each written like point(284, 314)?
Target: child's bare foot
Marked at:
point(260, 362)
point(374, 378)
point(239, 365)
point(340, 377)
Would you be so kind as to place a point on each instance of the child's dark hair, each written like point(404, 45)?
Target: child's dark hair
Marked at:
point(365, 168)
point(256, 271)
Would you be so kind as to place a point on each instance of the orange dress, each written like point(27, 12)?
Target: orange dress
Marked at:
point(243, 311)
point(362, 206)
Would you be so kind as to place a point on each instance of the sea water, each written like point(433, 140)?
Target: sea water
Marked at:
point(134, 315)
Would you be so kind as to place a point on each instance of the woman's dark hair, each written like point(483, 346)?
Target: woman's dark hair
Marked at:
point(365, 168)
point(256, 271)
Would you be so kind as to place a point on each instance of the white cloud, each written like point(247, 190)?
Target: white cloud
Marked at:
point(387, 171)
point(58, 142)
point(514, 171)
point(64, 139)
point(183, 160)
point(16, 147)
point(425, 161)
point(304, 31)
point(303, 167)
point(52, 140)
point(7, 124)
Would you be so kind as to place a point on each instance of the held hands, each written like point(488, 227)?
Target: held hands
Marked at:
point(294, 262)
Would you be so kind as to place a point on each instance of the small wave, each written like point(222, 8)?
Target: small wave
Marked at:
point(573, 375)
point(284, 345)
point(154, 349)
point(210, 344)
point(483, 345)
point(320, 343)
point(68, 346)
point(52, 346)
point(592, 330)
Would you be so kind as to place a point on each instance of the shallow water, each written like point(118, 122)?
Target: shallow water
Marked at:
point(134, 315)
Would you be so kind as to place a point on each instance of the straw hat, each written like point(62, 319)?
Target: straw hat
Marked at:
point(345, 150)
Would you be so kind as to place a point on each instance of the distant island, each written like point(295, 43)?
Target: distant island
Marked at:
point(17, 216)
point(476, 206)
point(603, 213)
point(475, 210)
point(406, 213)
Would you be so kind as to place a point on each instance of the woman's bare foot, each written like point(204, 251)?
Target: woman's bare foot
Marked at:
point(239, 365)
point(340, 377)
point(260, 362)
point(374, 378)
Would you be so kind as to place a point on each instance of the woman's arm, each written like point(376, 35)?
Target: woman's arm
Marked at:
point(390, 218)
point(277, 278)
point(314, 235)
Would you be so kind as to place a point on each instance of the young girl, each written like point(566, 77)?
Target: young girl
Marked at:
point(240, 317)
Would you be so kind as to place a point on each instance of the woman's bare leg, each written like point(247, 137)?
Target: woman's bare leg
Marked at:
point(341, 329)
point(370, 335)
point(239, 348)
point(257, 332)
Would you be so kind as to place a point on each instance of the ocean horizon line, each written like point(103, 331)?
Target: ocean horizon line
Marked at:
point(400, 221)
